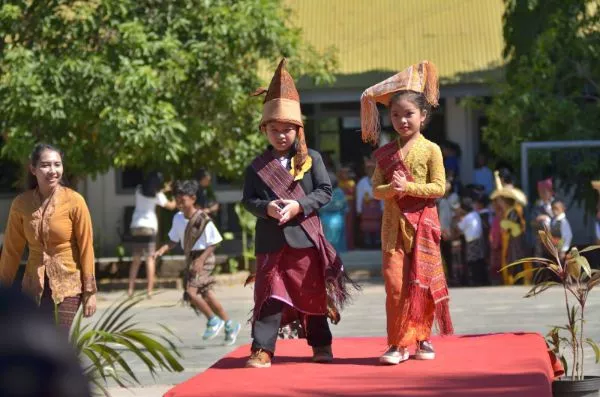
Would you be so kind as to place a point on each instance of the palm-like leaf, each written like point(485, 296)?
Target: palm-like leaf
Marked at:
point(102, 346)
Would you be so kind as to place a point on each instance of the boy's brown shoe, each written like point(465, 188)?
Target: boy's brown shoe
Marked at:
point(259, 359)
point(322, 354)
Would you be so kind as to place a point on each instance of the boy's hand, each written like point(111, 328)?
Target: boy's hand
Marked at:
point(290, 210)
point(160, 252)
point(273, 209)
point(563, 256)
point(198, 266)
point(543, 219)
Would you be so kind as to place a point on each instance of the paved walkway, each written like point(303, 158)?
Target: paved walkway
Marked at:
point(474, 310)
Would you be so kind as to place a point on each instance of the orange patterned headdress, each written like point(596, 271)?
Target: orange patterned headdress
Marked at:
point(421, 77)
point(282, 103)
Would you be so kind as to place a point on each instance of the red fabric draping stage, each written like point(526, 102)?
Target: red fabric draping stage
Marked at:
point(492, 365)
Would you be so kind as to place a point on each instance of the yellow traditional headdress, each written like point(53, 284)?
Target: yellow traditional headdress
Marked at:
point(507, 191)
point(421, 77)
point(282, 103)
point(596, 185)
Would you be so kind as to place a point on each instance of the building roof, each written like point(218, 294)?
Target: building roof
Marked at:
point(376, 38)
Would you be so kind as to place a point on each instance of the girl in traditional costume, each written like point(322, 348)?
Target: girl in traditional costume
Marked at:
point(299, 275)
point(54, 222)
point(513, 226)
point(409, 177)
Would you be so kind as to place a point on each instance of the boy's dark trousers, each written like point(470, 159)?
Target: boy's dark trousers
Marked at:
point(478, 272)
point(266, 327)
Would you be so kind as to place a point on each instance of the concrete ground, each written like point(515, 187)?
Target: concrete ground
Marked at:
point(474, 310)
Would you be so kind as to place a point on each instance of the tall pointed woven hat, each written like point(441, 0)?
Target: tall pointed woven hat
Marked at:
point(421, 77)
point(282, 103)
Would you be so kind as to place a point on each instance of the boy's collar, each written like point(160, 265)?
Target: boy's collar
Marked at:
point(560, 217)
point(290, 154)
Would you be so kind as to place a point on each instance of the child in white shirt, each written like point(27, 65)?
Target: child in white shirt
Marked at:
point(198, 236)
point(471, 227)
point(561, 228)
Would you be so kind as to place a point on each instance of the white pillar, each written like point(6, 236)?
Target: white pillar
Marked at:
point(460, 129)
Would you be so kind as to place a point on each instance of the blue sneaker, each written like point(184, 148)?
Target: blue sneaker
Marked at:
point(213, 327)
point(232, 331)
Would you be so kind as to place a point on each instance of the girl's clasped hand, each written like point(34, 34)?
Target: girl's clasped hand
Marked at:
point(399, 182)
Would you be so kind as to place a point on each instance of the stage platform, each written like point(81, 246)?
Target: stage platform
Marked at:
point(494, 365)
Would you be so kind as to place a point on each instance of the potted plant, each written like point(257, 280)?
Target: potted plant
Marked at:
point(575, 276)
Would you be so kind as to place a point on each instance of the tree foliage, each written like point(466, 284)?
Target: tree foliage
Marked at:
point(145, 83)
point(552, 87)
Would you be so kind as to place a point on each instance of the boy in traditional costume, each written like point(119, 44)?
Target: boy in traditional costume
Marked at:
point(409, 177)
point(198, 236)
point(299, 274)
point(471, 227)
point(560, 228)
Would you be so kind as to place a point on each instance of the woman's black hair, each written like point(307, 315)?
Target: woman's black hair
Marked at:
point(153, 183)
point(417, 99)
point(186, 188)
point(34, 159)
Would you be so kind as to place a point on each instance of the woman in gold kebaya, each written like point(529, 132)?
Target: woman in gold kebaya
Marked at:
point(54, 222)
point(409, 177)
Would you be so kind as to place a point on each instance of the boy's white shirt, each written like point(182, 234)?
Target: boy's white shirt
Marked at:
point(471, 226)
point(566, 234)
point(209, 237)
point(446, 210)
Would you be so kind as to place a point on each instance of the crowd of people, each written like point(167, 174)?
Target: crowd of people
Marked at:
point(486, 224)
point(484, 232)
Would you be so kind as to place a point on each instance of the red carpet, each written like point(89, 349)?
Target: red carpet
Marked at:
point(468, 365)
